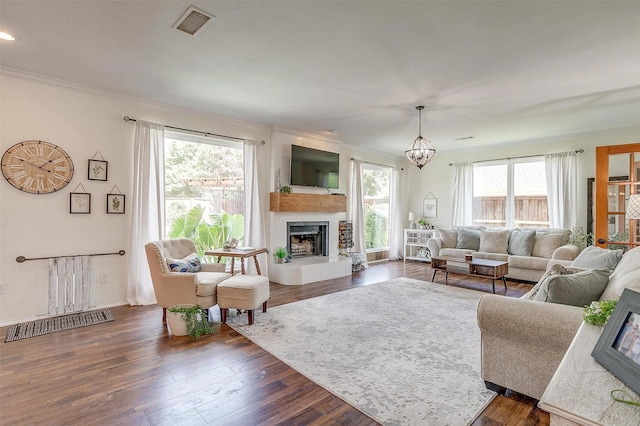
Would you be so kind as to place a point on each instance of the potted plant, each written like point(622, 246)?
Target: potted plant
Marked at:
point(286, 189)
point(423, 224)
point(281, 254)
point(187, 319)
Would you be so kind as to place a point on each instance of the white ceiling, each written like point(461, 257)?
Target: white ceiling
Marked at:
point(500, 71)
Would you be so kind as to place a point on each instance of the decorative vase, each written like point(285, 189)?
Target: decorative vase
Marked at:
point(176, 321)
point(280, 259)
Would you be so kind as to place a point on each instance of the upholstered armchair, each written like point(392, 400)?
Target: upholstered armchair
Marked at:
point(173, 287)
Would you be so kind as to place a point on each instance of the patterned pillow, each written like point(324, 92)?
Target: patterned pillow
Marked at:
point(190, 263)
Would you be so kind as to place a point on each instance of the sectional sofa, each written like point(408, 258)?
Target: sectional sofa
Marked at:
point(527, 250)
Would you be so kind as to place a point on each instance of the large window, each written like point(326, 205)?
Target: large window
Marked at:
point(204, 190)
point(510, 193)
point(376, 200)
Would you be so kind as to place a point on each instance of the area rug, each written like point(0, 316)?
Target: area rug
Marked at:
point(24, 330)
point(405, 352)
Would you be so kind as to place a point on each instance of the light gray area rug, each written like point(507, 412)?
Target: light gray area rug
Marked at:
point(406, 352)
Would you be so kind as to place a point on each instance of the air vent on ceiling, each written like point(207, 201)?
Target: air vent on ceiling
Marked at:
point(193, 21)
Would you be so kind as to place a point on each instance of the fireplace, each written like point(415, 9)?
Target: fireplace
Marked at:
point(305, 239)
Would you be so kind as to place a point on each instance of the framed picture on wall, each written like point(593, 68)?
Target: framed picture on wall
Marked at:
point(430, 206)
point(115, 203)
point(80, 203)
point(98, 169)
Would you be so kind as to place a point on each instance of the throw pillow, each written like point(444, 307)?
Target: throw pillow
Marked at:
point(468, 239)
point(494, 241)
point(553, 270)
point(521, 242)
point(598, 258)
point(579, 289)
point(190, 263)
point(449, 238)
point(545, 244)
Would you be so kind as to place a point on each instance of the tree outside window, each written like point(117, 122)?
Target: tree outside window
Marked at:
point(376, 200)
point(204, 190)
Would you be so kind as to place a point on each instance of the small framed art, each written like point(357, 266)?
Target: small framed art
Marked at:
point(80, 203)
point(98, 169)
point(430, 206)
point(115, 203)
point(618, 348)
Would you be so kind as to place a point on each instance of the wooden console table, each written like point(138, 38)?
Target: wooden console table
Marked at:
point(493, 269)
point(579, 392)
point(242, 254)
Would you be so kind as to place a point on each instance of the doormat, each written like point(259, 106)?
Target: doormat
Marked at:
point(24, 330)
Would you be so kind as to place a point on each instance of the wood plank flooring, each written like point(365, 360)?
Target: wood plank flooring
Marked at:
point(133, 372)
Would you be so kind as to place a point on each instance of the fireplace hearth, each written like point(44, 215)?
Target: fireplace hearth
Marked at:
point(306, 239)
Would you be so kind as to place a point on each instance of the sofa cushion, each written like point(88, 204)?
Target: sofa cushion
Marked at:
point(579, 289)
point(491, 256)
point(528, 262)
point(521, 242)
point(208, 282)
point(494, 241)
point(597, 258)
point(626, 275)
point(190, 263)
point(468, 239)
point(552, 270)
point(449, 238)
point(453, 252)
point(546, 243)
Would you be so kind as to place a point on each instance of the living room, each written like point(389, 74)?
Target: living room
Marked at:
point(86, 119)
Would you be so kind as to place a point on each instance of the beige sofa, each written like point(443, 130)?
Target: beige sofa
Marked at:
point(523, 341)
point(528, 251)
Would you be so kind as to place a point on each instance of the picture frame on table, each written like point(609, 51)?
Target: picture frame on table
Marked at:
point(115, 203)
point(430, 207)
point(618, 348)
point(98, 170)
point(80, 203)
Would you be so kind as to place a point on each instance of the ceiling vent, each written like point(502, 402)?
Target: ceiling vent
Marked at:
point(193, 21)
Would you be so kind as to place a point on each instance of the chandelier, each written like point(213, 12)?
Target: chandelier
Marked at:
point(421, 151)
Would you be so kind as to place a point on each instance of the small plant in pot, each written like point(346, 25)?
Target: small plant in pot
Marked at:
point(423, 224)
point(188, 319)
point(281, 254)
point(286, 189)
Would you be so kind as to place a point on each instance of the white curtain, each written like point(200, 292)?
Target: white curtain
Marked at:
point(355, 208)
point(562, 195)
point(462, 208)
point(147, 208)
point(396, 234)
point(254, 228)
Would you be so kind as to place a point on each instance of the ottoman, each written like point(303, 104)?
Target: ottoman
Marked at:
point(243, 292)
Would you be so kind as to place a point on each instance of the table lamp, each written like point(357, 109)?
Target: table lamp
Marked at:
point(412, 218)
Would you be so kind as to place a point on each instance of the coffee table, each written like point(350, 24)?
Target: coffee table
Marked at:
point(493, 269)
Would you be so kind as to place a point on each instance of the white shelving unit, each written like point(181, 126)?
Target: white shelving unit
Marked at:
point(415, 244)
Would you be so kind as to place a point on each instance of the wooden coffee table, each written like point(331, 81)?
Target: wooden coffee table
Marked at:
point(494, 269)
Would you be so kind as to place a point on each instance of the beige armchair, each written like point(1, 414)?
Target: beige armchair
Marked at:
point(182, 287)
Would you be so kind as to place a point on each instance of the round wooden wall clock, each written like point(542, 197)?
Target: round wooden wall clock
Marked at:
point(37, 167)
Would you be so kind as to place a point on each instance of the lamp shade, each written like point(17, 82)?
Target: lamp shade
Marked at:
point(633, 208)
point(412, 216)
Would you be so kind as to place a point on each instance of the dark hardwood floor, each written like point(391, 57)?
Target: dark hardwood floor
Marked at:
point(133, 372)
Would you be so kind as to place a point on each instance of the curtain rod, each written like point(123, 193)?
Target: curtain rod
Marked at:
point(206, 134)
point(22, 259)
point(376, 164)
point(577, 151)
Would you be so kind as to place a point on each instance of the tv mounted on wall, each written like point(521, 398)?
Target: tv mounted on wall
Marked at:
point(313, 167)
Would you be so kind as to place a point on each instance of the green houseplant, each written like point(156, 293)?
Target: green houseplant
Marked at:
point(186, 319)
point(286, 189)
point(281, 254)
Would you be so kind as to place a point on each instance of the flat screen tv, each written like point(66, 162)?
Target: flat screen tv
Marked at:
point(313, 167)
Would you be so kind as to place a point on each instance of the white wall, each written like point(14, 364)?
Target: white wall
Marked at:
point(82, 122)
point(437, 177)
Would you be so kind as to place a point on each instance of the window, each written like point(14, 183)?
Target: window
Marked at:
point(510, 193)
point(376, 181)
point(204, 190)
